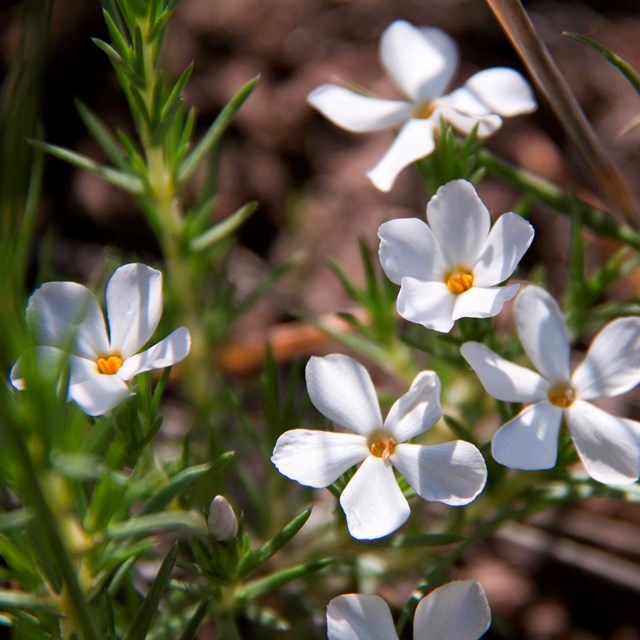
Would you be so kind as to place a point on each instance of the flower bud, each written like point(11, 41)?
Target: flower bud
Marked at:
point(222, 522)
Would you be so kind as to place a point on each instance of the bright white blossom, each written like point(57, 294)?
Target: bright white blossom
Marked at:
point(449, 268)
point(455, 611)
point(609, 447)
point(222, 522)
point(422, 63)
point(453, 473)
point(66, 319)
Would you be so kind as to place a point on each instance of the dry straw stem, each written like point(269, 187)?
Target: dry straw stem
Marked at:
point(535, 55)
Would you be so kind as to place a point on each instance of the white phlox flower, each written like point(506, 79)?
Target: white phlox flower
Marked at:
point(449, 268)
point(67, 321)
point(455, 611)
point(608, 446)
point(422, 62)
point(453, 473)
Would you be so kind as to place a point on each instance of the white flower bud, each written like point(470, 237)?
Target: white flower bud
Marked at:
point(222, 522)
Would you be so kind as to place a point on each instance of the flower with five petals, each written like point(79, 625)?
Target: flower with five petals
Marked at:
point(453, 473)
point(449, 268)
point(608, 446)
point(455, 611)
point(66, 319)
point(422, 63)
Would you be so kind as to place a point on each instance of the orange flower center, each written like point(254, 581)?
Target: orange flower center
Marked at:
point(109, 364)
point(459, 280)
point(424, 110)
point(561, 395)
point(381, 445)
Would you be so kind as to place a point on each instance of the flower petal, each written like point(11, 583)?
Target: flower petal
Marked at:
point(455, 611)
point(609, 447)
point(466, 123)
point(356, 112)
point(427, 303)
point(317, 458)
point(421, 62)
point(408, 248)
point(508, 240)
point(341, 389)
point(414, 141)
point(46, 360)
point(460, 222)
point(530, 440)
point(612, 364)
point(355, 617)
point(172, 349)
point(452, 472)
point(134, 307)
point(543, 333)
point(417, 410)
point(99, 393)
point(66, 314)
point(502, 379)
point(483, 302)
point(503, 90)
point(373, 502)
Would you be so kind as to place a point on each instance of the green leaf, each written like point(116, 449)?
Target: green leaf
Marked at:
point(117, 39)
point(619, 63)
point(224, 228)
point(254, 559)
point(120, 179)
point(10, 600)
point(145, 614)
point(162, 522)
point(196, 619)
point(181, 481)
point(16, 519)
point(215, 131)
point(261, 586)
point(102, 135)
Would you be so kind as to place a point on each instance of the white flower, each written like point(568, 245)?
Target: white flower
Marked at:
point(222, 521)
point(422, 63)
point(66, 317)
point(453, 473)
point(448, 269)
point(455, 611)
point(608, 446)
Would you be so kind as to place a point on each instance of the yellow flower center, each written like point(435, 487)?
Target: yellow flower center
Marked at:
point(424, 110)
point(109, 364)
point(561, 395)
point(459, 280)
point(381, 445)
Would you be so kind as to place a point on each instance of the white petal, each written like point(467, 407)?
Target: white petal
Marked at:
point(317, 458)
point(341, 389)
point(508, 240)
point(420, 61)
point(452, 472)
point(99, 393)
point(417, 410)
point(67, 315)
point(355, 112)
point(609, 447)
point(134, 307)
point(460, 222)
point(414, 141)
point(47, 360)
point(503, 379)
point(174, 348)
point(543, 333)
point(455, 611)
point(530, 440)
point(481, 302)
point(427, 303)
point(503, 90)
point(466, 123)
point(358, 617)
point(464, 101)
point(612, 364)
point(408, 248)
point(373, 502)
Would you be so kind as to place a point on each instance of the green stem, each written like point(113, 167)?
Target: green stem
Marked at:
point(554, 197)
